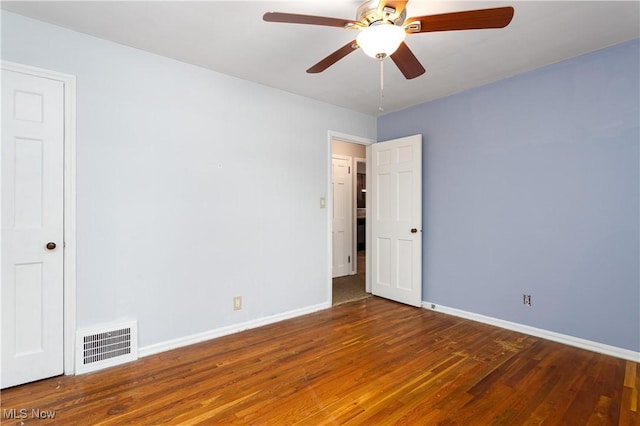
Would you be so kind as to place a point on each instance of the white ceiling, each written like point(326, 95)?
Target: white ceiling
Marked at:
point(230, 37)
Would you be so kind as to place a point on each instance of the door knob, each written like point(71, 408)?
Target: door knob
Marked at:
point(414, 230)
point(51, 245)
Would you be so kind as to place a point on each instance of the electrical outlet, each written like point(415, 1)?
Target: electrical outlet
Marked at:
point(526, 299)
point(237, 303)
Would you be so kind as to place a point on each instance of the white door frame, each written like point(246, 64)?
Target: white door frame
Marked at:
point(350, 139)
point(69, 245)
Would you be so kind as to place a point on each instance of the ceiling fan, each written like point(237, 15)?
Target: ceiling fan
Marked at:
point(383, 26)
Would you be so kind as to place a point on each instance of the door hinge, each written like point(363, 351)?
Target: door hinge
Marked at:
point(349, 171)
point(348, 259)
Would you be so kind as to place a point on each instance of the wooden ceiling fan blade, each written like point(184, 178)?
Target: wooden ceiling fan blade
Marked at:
point(334, 57)
point(498, 17)
point(407, 62)
point(292, 18)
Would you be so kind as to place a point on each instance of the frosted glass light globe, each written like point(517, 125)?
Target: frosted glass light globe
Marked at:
point(381, 40)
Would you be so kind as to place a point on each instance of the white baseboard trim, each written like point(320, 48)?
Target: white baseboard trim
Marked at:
point(224, 331)
point(538, 332)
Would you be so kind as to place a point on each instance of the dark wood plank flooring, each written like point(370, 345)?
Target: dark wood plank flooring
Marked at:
point(371, 362)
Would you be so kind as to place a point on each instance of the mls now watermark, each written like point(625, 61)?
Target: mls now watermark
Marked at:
point(27, 413)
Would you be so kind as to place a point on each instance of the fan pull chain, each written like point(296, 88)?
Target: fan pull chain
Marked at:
point(380, 108)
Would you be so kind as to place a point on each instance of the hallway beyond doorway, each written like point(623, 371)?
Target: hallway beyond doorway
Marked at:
point(351, 287)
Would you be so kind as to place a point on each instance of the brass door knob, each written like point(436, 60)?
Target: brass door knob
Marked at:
point(414, 230)
point(51, 245)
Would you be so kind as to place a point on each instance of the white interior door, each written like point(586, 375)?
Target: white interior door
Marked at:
point(396, 219)
point(342, 217)
point(32, 227)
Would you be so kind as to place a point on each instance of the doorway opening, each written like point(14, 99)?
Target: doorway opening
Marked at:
point(349, 220)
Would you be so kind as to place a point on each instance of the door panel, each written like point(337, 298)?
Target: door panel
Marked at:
point(396, 198)
point(32, 216)
point(342, 216)
point(383, 265)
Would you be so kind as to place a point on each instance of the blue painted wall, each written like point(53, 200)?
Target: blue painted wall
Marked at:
point(531, 185)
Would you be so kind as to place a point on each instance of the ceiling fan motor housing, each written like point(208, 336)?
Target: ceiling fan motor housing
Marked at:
point(369, 13)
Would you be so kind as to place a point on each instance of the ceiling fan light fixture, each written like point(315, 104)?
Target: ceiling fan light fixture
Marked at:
point(380, 40)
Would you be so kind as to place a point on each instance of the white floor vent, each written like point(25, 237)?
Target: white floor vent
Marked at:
point(103, 347)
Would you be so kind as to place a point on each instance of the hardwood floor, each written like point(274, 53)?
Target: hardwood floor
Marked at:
point(371, 362)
